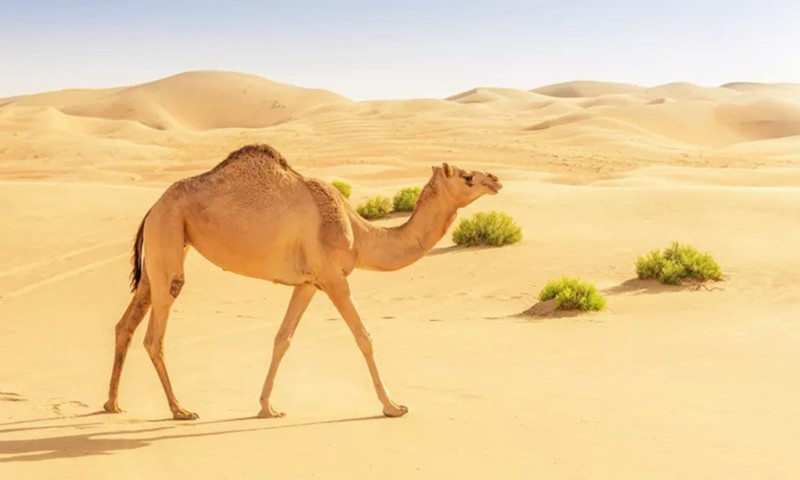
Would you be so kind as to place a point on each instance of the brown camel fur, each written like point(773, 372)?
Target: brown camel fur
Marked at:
point(254, 215)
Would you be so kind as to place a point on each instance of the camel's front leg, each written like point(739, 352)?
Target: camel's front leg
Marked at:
point(339, 293)
point(297, 305)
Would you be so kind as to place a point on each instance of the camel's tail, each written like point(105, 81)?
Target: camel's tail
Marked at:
point(136, 258)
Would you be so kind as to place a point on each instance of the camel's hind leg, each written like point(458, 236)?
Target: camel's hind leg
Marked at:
point(165, 271)
point(131, 319)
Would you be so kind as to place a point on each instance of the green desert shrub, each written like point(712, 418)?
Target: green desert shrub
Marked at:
point(377, 207)
point(573, 294)
point(487, 228)
point(343, 187)
point(677, 263)
point(406, 199)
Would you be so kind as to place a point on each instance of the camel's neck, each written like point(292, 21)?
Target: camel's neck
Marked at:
point(394, 248)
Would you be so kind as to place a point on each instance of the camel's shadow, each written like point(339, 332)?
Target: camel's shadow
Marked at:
point(110, 441)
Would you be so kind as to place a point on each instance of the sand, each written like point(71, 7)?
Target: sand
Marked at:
point(669, 382)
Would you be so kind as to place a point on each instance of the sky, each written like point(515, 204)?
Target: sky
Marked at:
point(398, 49)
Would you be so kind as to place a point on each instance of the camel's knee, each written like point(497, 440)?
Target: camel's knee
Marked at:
point(121, 327)
point(154, 346)
point(364, 341)
point(125, 328)
point(124, 332)
point(140, 303)
point(176, 284)
point(282, 341)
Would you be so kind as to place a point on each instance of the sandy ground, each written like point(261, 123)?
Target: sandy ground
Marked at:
point(667, 383)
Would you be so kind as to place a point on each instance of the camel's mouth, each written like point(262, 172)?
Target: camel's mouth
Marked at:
point(494, 187)
point(492, 183)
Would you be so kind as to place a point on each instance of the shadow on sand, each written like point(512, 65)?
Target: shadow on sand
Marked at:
point(547, 309)
point(50, 419)
point(106, 442)
point(637, 286)
point(459, 248)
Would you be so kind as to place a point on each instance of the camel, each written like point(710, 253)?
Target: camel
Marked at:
point(255, 215)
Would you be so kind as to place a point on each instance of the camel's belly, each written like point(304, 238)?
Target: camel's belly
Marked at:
point(257, 253)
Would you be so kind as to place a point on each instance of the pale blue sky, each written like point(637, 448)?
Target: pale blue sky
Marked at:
point(398, 49)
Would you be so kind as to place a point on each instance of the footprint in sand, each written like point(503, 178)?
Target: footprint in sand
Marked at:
point(68, 407)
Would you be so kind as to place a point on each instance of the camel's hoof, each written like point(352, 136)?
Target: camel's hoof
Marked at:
point(112, 407)
point(270, 413)
point(395, 410)
point(182, 414)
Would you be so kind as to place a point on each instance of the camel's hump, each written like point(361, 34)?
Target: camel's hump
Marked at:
point(258, 154)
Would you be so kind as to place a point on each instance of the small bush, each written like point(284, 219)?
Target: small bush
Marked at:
point(374, 208)
point(573, 294)
point(343, 187)
point(406, 199)
point(676, 264)
point(487, 228)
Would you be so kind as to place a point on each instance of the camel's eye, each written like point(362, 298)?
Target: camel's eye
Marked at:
point(468, 178)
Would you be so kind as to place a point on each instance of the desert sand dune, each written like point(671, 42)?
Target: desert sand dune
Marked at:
point(668, 383)
point(762, 120)
point(766, 89)
point(689, 91)
point(58, 99)
point(690, 122)
point(586, 88)
point(186, 121)
point(489, 95)
point(614, 99)
point(560, 121)
point(193, 100)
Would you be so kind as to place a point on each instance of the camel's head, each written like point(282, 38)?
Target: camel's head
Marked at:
point(465, 186)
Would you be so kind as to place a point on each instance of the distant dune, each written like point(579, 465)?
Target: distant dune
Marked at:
point(688, 91)
point(586, 88)
point(787, 89)
point(488, 95)
point(589, 128)
point(761, 120)
point(193, 101)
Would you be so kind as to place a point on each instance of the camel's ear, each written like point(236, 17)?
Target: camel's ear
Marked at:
point(448, 170)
